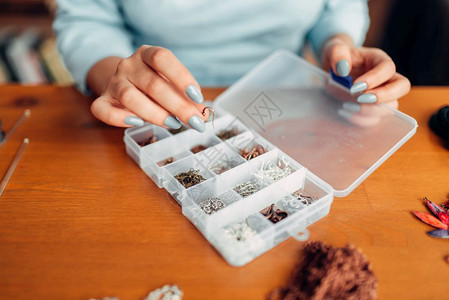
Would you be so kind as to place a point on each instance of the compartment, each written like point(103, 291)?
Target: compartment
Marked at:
point(226, 127)
point(137, 135)
point(302, 213)
point(241, 241)
point(194, 199)
point(241, 141)
point(212, 204)
point(192, 139)
point(162, 150)
point(188, 171)
point(293, 174)
point(278, 167)
point(250, 186)
point(157, 155)
point(148, 134)
point(219, 159)
point(250, 146)
point(230, 197)
point(304, 196)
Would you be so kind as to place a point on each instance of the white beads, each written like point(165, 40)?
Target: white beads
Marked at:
point(167, 292)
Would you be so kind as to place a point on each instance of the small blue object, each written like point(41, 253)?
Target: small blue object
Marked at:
point(345, 81)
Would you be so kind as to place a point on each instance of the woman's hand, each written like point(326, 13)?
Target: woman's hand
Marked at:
point(374, 73)
point(151, 85)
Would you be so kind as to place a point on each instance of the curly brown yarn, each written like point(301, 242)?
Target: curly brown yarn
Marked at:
point(326, 272)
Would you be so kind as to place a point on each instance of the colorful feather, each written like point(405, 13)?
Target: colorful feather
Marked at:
point(429, 219)
point(445, 205)
point(434, 208)
point(444, 217)
point(439, 233)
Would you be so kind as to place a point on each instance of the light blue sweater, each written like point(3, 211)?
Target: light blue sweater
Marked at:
point(218, 41)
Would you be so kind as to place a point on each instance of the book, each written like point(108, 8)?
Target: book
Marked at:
point(23, 58)
point(53, 62)
point(4, 74)
point(6, 35)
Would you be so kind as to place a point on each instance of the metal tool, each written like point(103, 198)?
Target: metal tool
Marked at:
point(19, 122)
point(13, 165)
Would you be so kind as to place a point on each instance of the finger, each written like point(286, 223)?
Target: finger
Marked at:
point(367, 114)
point(395, 88)
point(381, 69)
point(340, 58)
point(133, 99)
point(369, 109)
point(357, 119)
point(166, 95)
point(393, 104)
point(103, 109)
point(164, 62)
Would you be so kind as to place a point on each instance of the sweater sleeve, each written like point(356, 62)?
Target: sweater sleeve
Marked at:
point(340, 16)
point(88, 31)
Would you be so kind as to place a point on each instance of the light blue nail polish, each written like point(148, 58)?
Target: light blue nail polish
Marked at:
point(358, 87)
point(134, 121)
point(197, 123)
point(367, 98)
point(351, 106)
point(194, 93)
point(343, 68)
point(344, 113)
point(172, 123)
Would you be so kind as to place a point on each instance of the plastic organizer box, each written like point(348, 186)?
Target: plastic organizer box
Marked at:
point(271, 162)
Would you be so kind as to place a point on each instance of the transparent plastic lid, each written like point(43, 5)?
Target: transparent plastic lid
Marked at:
point(298, 107)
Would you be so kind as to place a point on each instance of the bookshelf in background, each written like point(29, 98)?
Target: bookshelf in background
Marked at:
point(28, 53)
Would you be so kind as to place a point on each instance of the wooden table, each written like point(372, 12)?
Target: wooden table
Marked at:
point(80, 219)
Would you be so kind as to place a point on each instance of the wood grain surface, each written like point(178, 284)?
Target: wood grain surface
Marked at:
point(79, 218)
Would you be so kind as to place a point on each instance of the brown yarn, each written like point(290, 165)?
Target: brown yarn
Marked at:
point(327, 272)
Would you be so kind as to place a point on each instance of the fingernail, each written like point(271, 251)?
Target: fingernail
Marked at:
point(172, 123)
point(134, 121)
point(351, 106)
point(344, 113)
point(358, 87)
point(367, 98)
point(194, 93)
point(197, 123)
point(343, 67)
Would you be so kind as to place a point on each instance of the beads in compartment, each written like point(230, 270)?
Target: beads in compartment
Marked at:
point(212, 205)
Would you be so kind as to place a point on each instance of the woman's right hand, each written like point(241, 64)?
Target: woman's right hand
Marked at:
point(151, 85)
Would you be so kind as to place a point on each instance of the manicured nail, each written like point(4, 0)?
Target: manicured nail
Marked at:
point(194, 93)
point(351, 106)
point(344, 113)
point(343, 67)
point(197, 123)
point(367, 98)
point(172, 123)
point(134, 121)
point(358, 87)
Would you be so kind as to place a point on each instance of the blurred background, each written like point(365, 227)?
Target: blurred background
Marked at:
point(415, 33)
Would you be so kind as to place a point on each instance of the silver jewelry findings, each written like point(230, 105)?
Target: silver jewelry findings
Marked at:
point(250, 187)
point(212, 205)
point(275, 171)
point(239, 231)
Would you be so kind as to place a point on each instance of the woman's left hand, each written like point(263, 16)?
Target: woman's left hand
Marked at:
point(374, 74)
